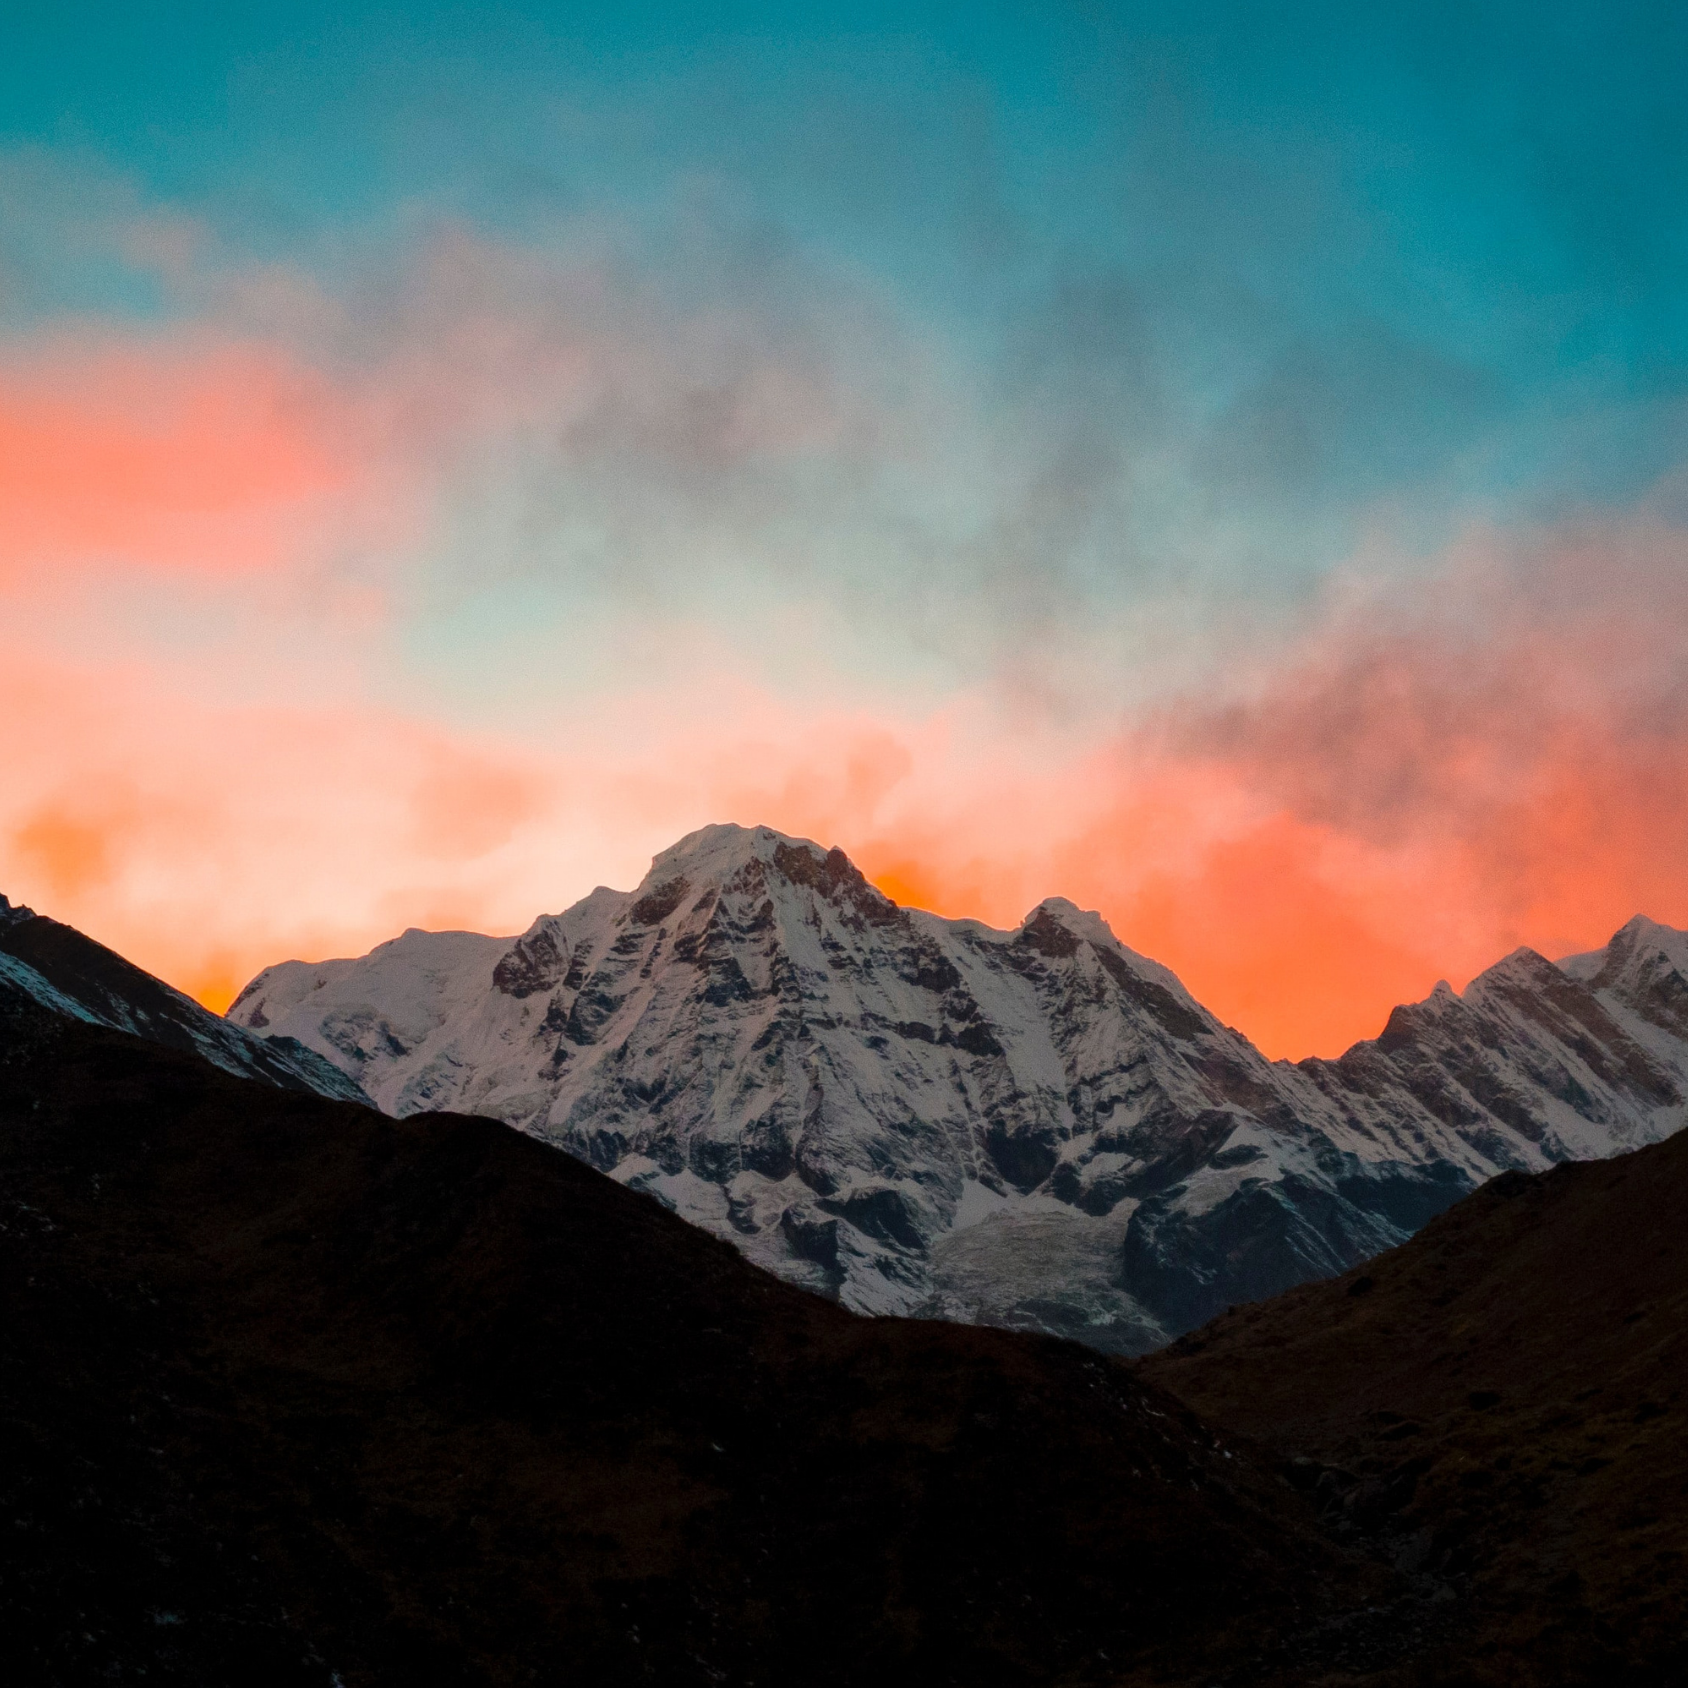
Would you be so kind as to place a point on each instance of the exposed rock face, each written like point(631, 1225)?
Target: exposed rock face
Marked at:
point(62, 970)
point(1037, 1128)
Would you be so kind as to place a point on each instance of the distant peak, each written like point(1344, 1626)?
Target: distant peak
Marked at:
point(14, 914)
point(1523, 962)
point(1639, 942)
point(1639, 929)
point(1636, 936)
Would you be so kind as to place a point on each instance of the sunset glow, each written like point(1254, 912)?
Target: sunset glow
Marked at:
point(425, 545)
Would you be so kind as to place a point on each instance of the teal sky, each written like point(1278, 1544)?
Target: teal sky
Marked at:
point(1428, 253)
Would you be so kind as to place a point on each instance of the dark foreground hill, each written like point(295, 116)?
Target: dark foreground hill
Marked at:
point(295, 1393)
point(1502, 1402)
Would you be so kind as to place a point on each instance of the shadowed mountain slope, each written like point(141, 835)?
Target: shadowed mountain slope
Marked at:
point(72, 974)
point(293, 1392)
point(1502, 1402)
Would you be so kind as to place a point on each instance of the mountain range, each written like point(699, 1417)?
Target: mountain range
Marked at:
point(1036, 1128)
point(299, 1395)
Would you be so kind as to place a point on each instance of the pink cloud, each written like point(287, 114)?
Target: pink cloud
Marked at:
point(207, 456)
point(207, 839)
point(287, 428)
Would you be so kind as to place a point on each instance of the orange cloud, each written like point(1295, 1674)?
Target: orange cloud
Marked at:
point(72, 853)
point(465, 805)
point(1496, 757)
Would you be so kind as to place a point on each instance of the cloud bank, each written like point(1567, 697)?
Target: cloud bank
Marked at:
point(435, 586)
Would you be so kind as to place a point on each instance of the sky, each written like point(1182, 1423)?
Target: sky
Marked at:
point(1226, 465)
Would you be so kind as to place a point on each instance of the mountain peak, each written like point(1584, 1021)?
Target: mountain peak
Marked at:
point(1034, 1125)
point(715, 858)
point(1521, 963)
point(1639, 933)
point(1644, 927)
point(1081, 922)
point(1636, 941)
point(719, 850)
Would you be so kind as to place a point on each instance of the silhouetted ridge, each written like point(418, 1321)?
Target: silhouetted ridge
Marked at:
point(293, 1392)
point(75, 974)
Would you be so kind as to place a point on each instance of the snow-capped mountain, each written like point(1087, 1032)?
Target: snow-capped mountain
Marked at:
point(60, 969)
point(1037, 1128)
